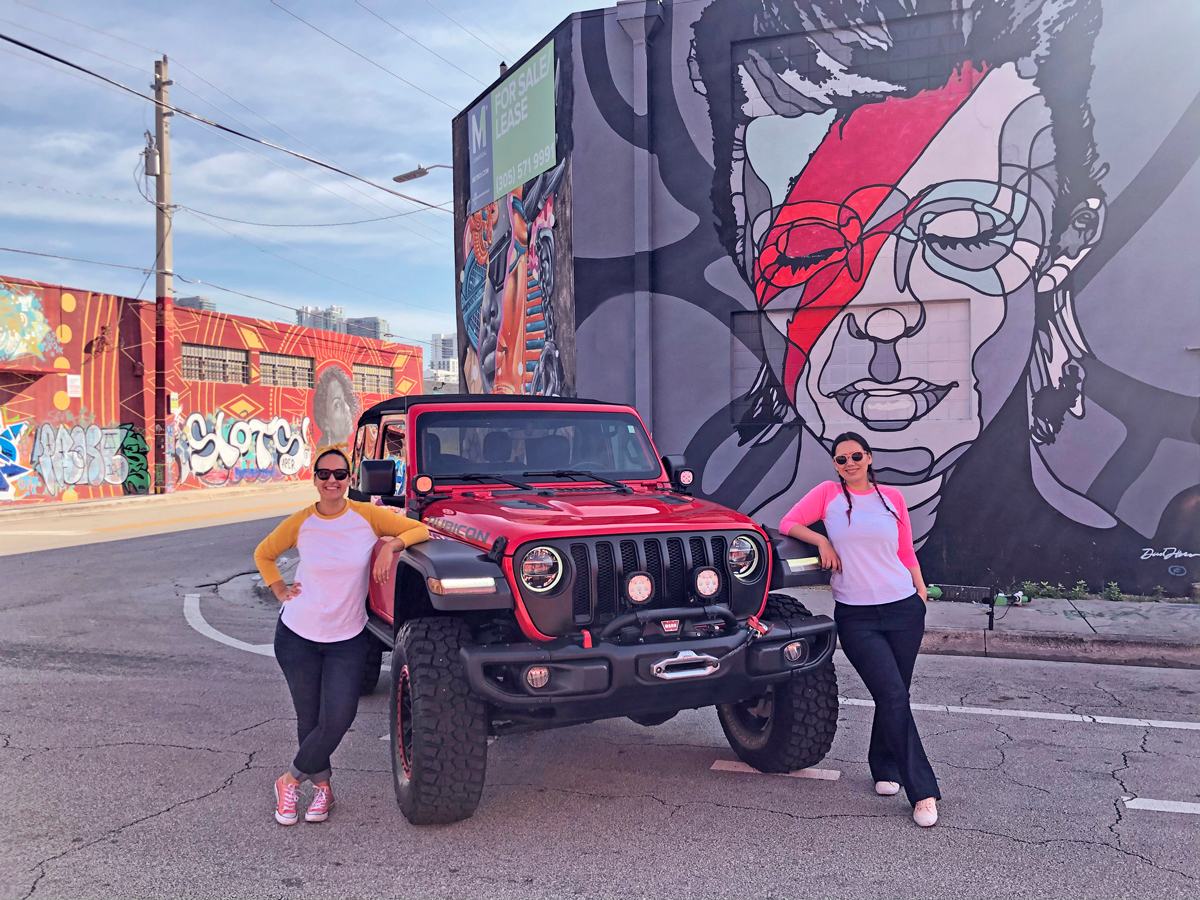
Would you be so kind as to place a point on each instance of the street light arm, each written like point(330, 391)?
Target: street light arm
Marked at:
point(418, 172)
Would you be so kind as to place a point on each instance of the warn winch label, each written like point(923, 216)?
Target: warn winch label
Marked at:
point(466, 532)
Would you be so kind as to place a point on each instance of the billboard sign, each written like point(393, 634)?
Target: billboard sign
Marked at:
point(510, 132)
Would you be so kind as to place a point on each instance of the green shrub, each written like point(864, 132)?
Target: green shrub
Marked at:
point(1111, 591)
point(1079, 592)
point(1160, 593)
point(1043, 590)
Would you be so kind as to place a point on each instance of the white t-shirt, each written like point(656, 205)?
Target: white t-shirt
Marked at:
point(334, 571)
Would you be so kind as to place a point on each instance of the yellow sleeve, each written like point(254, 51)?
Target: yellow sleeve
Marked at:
point(282, 539)
point(384, 521)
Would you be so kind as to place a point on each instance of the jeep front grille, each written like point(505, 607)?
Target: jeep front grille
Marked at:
point(663, 557)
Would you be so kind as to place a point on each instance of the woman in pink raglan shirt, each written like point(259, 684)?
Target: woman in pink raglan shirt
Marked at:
point(880, 609)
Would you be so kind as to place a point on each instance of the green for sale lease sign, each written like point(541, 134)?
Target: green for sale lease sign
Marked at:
point(511, 130)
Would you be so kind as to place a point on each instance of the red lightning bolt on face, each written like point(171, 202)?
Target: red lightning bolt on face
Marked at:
point(817, 239)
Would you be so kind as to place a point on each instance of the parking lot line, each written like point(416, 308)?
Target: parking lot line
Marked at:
point(1035, 714)
point(1171, 806)
point(736, 765)
point(191, 612)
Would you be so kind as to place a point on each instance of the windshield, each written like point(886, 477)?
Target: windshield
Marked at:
point(516, 441)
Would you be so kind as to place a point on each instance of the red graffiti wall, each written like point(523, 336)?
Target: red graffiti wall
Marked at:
point(77, 395)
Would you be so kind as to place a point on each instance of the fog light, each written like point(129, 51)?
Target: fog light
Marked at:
point(795, 652)
point(537, 676)
point(707, 582)
point(639, 588)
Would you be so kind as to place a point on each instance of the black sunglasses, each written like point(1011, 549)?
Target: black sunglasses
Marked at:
point(857, 457)
point(335, 474)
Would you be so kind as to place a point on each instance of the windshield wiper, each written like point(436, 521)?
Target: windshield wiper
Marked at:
point(579, 473)
point(488, 476)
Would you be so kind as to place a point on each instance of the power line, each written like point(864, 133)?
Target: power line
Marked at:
point(367, 58)
point(211, 123)
point(210, 215)
point(218, 287)
point(306, 268)
point(418, 43)
point(203, 99)
point(467, 30)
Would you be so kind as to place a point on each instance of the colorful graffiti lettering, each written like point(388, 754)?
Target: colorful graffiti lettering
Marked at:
point(136, 453)
point(24, 330)
point(81, 455)
point(11, 467)
point(228, 452)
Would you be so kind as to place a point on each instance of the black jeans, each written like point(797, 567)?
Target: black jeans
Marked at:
point(324, 680)
point(881, 643)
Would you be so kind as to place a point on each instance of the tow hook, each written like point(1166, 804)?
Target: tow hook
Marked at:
point(685, 664)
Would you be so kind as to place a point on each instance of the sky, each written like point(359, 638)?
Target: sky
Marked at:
point(377, 104)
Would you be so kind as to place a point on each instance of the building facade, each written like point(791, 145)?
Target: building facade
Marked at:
point(966, 231)
point(368, 327)
point(322, 318)
point(255, 398)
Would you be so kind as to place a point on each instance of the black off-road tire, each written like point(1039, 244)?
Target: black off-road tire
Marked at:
point(439, 727)
point(370, 679)
point(792, 724)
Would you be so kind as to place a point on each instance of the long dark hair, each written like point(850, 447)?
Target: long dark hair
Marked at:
point(862, 442)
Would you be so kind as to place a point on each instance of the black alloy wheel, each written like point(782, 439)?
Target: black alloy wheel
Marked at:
point(790, 725)
point(438, 726)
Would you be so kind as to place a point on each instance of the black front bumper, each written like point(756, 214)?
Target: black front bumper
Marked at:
point(611, 679)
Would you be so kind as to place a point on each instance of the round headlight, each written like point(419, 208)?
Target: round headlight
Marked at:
point(742, 557)
point(707, 582)
point(639, 588)
point(541, 569)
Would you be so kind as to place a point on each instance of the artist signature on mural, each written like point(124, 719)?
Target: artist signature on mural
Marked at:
point(1167, 553)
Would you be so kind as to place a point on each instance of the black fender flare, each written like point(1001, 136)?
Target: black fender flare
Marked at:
point(794, 563)
point(444, 558)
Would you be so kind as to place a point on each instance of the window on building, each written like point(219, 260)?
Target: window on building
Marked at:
point(202, 363)
point(374, 379)
point(278, 370)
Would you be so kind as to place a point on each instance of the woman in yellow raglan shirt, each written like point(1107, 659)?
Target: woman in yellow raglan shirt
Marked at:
point(321, 639)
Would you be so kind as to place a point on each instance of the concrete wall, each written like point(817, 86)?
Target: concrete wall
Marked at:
point(970, 236)
point(77, 397)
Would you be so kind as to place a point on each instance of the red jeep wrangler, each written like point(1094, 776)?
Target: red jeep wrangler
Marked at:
point(571, 577)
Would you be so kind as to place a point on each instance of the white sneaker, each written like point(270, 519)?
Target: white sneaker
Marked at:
point(886, 788)
point(925, 813)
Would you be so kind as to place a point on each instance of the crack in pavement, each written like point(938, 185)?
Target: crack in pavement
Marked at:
point(41, 865)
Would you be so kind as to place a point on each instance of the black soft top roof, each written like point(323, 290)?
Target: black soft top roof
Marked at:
point(373, 415)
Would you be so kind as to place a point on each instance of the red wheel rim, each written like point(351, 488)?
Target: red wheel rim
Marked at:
point(404, 721)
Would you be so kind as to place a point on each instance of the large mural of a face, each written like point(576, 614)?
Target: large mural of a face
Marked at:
point(885, 212)
point(335, 406)
point(905, 236)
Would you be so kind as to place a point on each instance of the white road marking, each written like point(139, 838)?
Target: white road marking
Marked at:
point(736, 765)
point(1171, 806)
point(191, 612)
point(1036, 714)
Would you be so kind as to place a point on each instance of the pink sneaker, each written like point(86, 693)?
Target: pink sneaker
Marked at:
point(286, 797)
point(322, 803)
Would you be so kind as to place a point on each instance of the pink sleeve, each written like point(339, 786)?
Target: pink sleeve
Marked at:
point(908, 556)
point(811, 507)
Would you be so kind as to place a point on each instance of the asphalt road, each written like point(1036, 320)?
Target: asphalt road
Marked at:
point(138, 756)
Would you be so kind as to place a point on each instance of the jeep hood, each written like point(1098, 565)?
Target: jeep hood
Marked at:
point(524, 516)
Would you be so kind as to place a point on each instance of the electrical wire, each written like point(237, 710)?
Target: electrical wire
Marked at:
point(467, 30)
point(72, 193)
point(353, 287)
point(366, 58)
point(418, 43)
point(210, 122)
point(210, 215)
point(217, 88)
point(186, 280)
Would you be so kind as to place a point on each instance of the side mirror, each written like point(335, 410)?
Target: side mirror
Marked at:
point(681, 476)
point(377, 477)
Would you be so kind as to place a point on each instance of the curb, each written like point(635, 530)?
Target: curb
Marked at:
point(51, 509)
point(1098, 649)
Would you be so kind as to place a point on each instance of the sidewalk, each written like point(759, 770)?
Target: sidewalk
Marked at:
point(1095, 631)
point(30, 511)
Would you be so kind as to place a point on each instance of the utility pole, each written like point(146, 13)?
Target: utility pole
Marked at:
point(164, 291)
